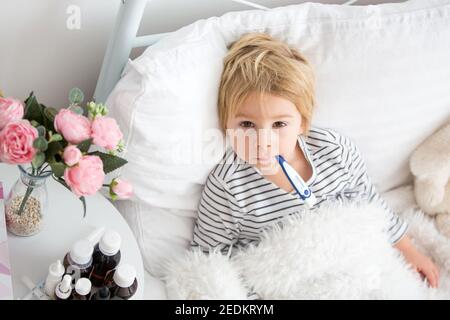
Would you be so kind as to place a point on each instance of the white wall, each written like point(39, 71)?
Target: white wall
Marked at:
point(38, 52)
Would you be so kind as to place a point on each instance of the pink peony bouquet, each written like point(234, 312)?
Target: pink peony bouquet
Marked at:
point(60, 142)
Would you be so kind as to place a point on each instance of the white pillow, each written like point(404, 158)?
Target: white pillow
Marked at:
point(383, 75)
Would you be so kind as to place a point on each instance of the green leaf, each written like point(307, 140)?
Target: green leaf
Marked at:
point(45, 121)
point(40, 143)
point(76, 96)
point(41, 130)
point(33, 110)
point(58, 168)
point(110, 162)
point(62, 181)
point(38, 160)
point(85, 145)
point(56, 137)
point(54, 147)
point(50, 114)
point(76, 109)
point(83, 201)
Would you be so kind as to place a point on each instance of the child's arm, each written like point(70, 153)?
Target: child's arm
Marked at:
point(361, 183)
point(397, 229)
point(215, 227)
point(420, 262)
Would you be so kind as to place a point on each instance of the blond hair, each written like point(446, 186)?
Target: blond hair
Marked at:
point(257, 62)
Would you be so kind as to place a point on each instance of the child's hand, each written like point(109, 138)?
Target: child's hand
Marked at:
point(424, 266)
point(419, 261)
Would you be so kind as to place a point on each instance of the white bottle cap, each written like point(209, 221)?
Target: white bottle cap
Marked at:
point(64, 289)
point(56, 269)
point(81, 252)
point(124, 275)
point(66, 283)
point(110, 243)
point(83, 286)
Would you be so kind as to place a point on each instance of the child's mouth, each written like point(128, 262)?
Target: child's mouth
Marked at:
point(264, 160)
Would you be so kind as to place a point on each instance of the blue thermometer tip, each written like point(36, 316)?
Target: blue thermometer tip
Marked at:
point(279, 158)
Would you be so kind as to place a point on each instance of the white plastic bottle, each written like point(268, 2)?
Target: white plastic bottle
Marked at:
point(55, 273)
point(63, 290)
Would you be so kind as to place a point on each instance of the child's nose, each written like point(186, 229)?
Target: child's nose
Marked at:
point(264, 141)
point(265, 138)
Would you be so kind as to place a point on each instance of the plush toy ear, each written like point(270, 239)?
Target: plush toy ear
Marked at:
point(430, 192)
point(432, 157)
point(416, 163)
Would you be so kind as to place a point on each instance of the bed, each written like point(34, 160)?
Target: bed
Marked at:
point(385, 39)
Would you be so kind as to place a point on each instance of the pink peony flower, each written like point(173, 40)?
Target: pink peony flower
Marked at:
point(122, 189)
point(106, 133)
point(86, 178)
point(10, 110)
point(16, 142)
point(75, 128)
point(71, 155)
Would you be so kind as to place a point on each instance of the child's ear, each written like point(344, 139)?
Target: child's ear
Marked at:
point(301, 129)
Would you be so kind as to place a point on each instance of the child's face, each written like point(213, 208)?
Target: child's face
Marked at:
point(267, 129)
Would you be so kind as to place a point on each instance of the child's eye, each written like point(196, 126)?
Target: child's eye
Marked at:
point(279, 124)
point(246, 124)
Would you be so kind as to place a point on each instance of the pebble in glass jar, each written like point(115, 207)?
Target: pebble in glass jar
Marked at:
point(26, 204)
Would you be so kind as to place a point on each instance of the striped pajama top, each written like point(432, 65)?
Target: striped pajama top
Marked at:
point(238, 203)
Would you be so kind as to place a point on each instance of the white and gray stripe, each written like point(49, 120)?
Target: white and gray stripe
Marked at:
point(238, 202)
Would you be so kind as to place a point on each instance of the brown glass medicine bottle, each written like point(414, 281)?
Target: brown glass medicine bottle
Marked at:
point(122, 282)
point(106, 257)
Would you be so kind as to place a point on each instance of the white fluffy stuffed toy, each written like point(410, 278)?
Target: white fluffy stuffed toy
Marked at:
point(430, 165)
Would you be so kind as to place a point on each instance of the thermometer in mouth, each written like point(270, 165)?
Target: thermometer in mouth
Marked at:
point(297, 182)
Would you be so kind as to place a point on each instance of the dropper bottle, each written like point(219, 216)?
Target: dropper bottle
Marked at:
point(55, 273)
point(63, 290)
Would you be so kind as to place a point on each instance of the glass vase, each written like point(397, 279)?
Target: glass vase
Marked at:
point(26, 204)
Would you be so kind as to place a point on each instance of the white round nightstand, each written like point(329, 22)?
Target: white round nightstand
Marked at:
point(64, 224)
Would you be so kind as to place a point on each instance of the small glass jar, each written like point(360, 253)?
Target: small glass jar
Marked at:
point(26, 204)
